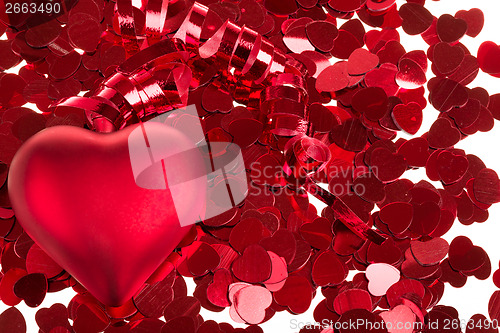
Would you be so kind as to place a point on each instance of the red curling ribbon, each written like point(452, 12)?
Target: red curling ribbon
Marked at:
point(134, 89)
point(126, 21)
point(229, 45)
point(283, 105)
point(156, 14)
point(305, 156)
point(158, 79)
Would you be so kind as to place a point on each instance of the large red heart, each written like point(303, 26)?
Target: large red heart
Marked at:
point(75, 194)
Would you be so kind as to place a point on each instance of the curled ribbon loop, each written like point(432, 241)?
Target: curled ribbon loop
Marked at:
point(158, 79)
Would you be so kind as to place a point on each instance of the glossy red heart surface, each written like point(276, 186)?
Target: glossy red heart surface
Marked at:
point(76, 193)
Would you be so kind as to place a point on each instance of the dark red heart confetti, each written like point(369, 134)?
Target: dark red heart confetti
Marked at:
point(416, 18)
point(31, 288)
point(430, 252)
point(410, 74)
point(398, 216)
point(253, 266)
point(487, 186)
point(447, 58)
point(296, 294)
point(408, 117)
point(464, 256)
point(361, 62)
point(322, 34)
point(387, 166)
point(486, 55)
point(12, 320)
point(450, 167)
point(443, 134)
point(474, 18)
point(328, 269)
point(450, 29)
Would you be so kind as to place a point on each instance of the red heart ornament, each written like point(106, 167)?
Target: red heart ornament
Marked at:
point(75, 194)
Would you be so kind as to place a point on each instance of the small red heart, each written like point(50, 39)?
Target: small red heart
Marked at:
point(318, 233)
point(248, 231)
point(397, 216)
point(371, 102)
point(466, 115)
point(322, 34)
point(361, 61)
point(450, 167)
point(216, 99)
point(391, 52)
point(399, 314)
point(464, 256)
point(410, 74)
point(253, 266)
point(450, 29)
point(268, 219)
point(416, 18)
point(487, 56)
point(32, 289)
point(487, 187)
point(414, 270)
point(374, 38)
point(443, 134)
point(431, 252)
point(352, 299)
point(296, 294)
point(387, 253)
point(447, 58)
point(387, 166)
point(333, 78)
point(415, 151)
point(425, 218)
point(474, 18)
point(445, 94)
point(75, 193)
point(282, 243)
point(328, 269)
point(383, 77)
point(217, 290)
point(55, 316)
point(408, 117)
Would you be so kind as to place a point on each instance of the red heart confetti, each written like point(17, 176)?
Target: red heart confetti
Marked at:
point(398, 216)
point(475, 20)
point(416, 18)
point(296, 294)
point(32, 289)
point(431, 252)
point(253, 266)
point(487, 187)
point(443, 134)
point(486, 55)
point(447, 58)
point(408, 117)
point(12, 320)
point(450, 29)
point(451, 168)
point(361, 61)
point(323, 275)
point(464, 256)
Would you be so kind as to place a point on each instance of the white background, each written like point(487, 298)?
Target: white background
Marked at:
point(469, 300)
